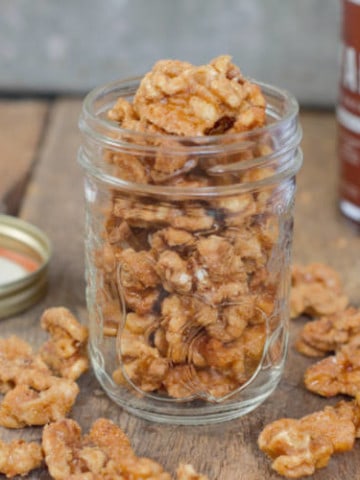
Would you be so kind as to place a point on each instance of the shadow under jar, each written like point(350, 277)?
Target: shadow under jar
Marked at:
point(188, 244)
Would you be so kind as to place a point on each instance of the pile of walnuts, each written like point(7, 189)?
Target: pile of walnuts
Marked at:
point(299, 447)
point(199, 277)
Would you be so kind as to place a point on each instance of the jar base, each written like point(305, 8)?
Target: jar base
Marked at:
point(196, 412)
point(350, 210)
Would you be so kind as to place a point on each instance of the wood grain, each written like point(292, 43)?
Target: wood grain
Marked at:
point(21, 127)
point(226, 451)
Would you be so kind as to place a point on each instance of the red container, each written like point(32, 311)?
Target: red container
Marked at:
point(348, 111)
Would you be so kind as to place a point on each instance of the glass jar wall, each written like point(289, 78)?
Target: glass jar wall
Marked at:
point(188, 243)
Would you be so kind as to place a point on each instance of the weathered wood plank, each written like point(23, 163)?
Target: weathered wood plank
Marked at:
point(226, 451)
point(21, 126)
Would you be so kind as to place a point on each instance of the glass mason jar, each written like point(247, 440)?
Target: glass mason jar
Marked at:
point(188, 244)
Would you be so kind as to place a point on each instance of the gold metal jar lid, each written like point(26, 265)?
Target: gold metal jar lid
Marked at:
point(24, 256)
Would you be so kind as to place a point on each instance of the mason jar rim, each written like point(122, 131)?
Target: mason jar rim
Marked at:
point(113, 136)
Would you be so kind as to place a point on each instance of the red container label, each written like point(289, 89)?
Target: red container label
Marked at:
point(348, 111)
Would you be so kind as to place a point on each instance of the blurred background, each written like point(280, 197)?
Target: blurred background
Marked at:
point(56, 47)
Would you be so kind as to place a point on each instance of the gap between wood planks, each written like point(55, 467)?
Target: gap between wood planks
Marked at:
point(23, 127)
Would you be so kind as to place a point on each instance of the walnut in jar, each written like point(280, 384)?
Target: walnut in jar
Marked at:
point(188, 284)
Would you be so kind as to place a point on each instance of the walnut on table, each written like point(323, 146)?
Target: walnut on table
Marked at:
point(316, 290)
point(38, 402)
point(339, 373)
point(65, 352)
point(328, 333)
point(19, 457)
point(299, 447)
point(33, 394)
point(104, 453)
point(18, 364)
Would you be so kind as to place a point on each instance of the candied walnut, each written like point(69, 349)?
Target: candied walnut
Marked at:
point(120, 234)
point(184, 381)
point(217, 256)
point(174, 272)
point(267, 229)
point(142, 302)
point(183, 319)
point(237, 209)
point(253, 340)
point(104, 453)
point(328, 333)
point(65, 353)
point(130, 168)
point(138, 270)
point(160, 341)
point(194, 99)
point(249, 247)
point(193, 218)
point(229, 357)
point(145, 214)
point(190, 180)
point(38, 402)
point(225, 293)
point(105, 259)
point(140, 324)
point(179, 327)
point(111, 313)
point(143, 364)
point(212, 384)
point(338, 373)
point(172, 161)
point(257, 174)
point(299, 447)
point(18, 364)
point(239, 358)
point(316, 290)
point(123, 112)
point(295, 452)
point(179, 381)
point(171, 238)
point(232, 320)
point(68, 453)
point(350, 411)
point(19, 457)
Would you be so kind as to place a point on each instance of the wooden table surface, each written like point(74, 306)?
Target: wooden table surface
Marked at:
point(41, 182)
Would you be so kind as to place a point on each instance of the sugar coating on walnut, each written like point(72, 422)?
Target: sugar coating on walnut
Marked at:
point(328, 333)
point(299, 447)
point(38, 402)
point(18, 364)
point(65, 352)
point(336, 374)
point(105, 452)
point(316, 290)
point(179, 98)
point(19, 457)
